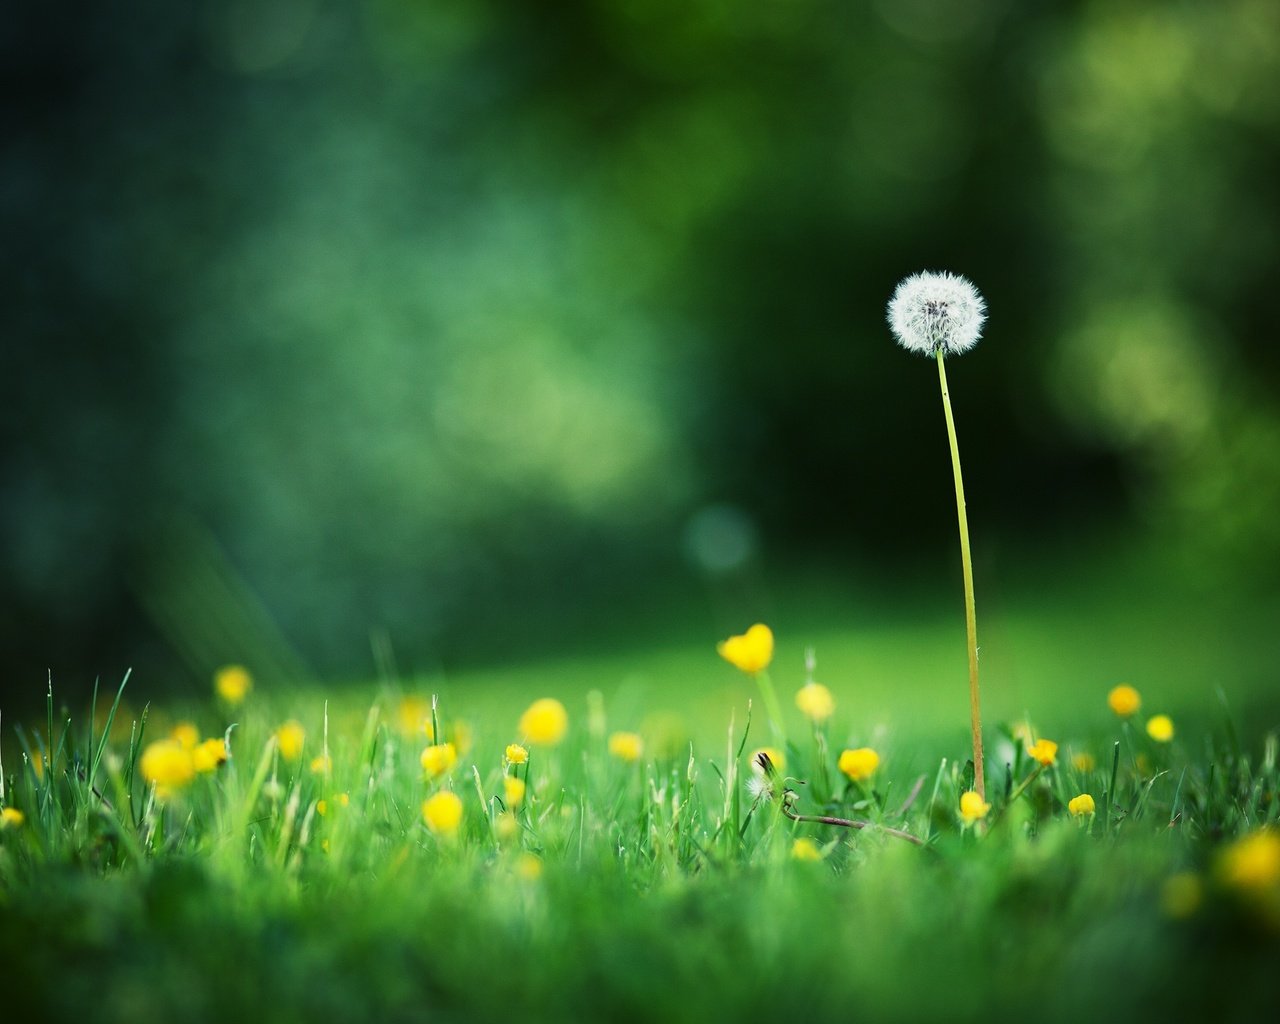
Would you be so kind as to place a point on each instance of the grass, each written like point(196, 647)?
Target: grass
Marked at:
point(663, 889)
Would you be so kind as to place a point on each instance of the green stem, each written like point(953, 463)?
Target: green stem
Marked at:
point(771, 706)
point(970, 614)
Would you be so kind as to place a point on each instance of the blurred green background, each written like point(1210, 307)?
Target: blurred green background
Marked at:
point(453, 330)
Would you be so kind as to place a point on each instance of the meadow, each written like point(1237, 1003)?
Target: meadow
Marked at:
point(599, 838)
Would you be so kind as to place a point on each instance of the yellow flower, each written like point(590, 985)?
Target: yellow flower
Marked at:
point(168, 765)
point(973, 807)
point(527, 867)
point(443, 813)
point(322, 764)
point(413, 715)
point(186, 735)
point(11, 817)
point(626, 746)
point(750, 652)
point(513, 791)
point(505, 825)
point(1160, 728)
point(1083, 762)
point(516, 754)
point(1124, 700)
point(462, 736)
point(290, 738)
point(232, 683)
point(322, 807)
point(805, 849)
point(344, 799)
point(815, 702)
point(545, 722)
point(776, 757)
point(859, 764)
point(1252, 862)
point(1181, 894)
point(209, 755)
point(1044, 751)
point(1081, 805)
point(439, 758)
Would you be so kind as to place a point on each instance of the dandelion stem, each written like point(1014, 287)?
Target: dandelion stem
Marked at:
point(771, 705)
point(970, 613)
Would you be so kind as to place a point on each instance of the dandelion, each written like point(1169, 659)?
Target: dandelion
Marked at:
point(290, 738)
point(750, 652)
point(1160, 728)
point(776, 758)
point(941, 314)
point(232, 683)
point(513, 791)
point(1124, 700)
point(443, 813)
point(185, 735)
point(11, 817)
point(859, 764)
point(167, 765)
point(815, 702)
point(209, 755)
point(1181, 895)
point(805, 849)
point(545, 722)
point(973, 807)
point(438, 759)
point(626, 746)
point(1252, 863)
point(1044, 751)
point(516, 754)
point(1081, 805)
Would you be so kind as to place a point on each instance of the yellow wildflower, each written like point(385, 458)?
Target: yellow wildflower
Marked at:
point(344, 799)
point(516, 754)
point(186, 735)
point(413, 714)
point(232, 683)
point(815, 702)
point(859, 764)
point(439, 758)
point(1081, 805)
point(1252, 862)
point(527, 867)
point(322, 807)
point(321, 764)
point(1044, 751)
point(749, 652)
point(290, 737)
point(1083, 762)
point(443, 813)
point(463, 736)
point(11, 817)
point(209, 755)
point(805, 849)
point(776, 757)
point(973, 807)
point(626, 746)
point(545, 722)
point(1160, 728)
point(1124, 700)
point(1181, 894)
point(168, 765)
point(513, 791)
point(505, 825)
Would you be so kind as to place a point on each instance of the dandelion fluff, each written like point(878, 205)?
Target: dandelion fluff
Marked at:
point(937, 312)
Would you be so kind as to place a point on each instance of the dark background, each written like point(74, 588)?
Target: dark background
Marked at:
point(470, 325)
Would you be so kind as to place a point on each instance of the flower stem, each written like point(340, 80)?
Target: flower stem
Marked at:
point(970, 614)
point(771, 706)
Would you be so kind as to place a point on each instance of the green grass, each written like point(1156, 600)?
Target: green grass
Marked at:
point(659, 890)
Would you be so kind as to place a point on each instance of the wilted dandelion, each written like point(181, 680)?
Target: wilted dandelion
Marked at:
point(973, 807)
point(941, 314)
point(545, 722)
point(1160, 728)
point(11, 817)
point(1124, 700)
point(860, 764)
point(209, 755)
point(232, 683)
point(776, 758)
point(1043, 751)
point(805, 849)
point(815, 702)
point(1081, 805)
point(290, 737)
point(438, 759)
point(168, 765)
point(626, 746)
point(442, 813)
point(516, 754)
point(513, 791)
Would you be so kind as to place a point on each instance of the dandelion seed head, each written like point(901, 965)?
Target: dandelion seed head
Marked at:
point(937, 312)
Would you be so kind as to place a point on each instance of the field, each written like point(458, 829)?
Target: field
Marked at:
point(638, 862)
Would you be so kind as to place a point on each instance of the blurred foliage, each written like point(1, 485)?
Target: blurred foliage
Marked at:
point(418, 316)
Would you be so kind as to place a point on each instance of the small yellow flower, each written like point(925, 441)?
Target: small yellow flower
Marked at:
point(545, 722)
point(209, 755)
point(443, 813)
point(11, 817)
point(1160, 728)
point(973, 807)
point(815, 702)
point(1083, 762)
point(438, 759)
point(1081, 805)
point(805, 849)
point(413, 715)
point(168, 765)
point(516, 754)
point(322, 807)
point(232, 683)
point(290, 737)
point(1252, 862)
point(463, 736)
point(186, 735)
point(749, 652)
point(506, 826)
point(513, 791)
point(344, 799)
point(321, 764)
point(527, 867)
point(1181, 895)
point(859, 764)
point(626, 746)
point(1124, 700)
point(324, 845)
point(1044, 751)
point(776, 757)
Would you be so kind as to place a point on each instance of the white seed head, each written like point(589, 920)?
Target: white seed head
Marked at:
point(932, 312)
